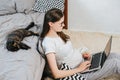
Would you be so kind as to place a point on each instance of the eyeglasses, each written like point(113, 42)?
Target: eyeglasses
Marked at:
point(61, 24)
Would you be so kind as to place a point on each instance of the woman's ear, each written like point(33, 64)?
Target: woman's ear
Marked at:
point(50, 23)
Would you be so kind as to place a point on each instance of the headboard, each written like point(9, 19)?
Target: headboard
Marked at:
point(66, 14)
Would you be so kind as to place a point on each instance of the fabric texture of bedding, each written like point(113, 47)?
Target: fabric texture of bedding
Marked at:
point(7, 7)
point(23, 64)
point(24, 5)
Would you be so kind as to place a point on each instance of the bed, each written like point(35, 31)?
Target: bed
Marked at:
point(23, 64)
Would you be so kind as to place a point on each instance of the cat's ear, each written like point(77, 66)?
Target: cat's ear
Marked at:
point(15, 44)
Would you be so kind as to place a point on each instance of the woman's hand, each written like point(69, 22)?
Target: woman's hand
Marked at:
point(84, 65)
point(86, 56)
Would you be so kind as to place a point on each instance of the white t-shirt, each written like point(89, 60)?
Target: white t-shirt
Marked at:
point(64, 52)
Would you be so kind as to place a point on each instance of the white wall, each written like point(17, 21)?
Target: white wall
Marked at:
point(94, 15)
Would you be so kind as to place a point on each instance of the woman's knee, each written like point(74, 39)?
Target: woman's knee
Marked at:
point(114, 55)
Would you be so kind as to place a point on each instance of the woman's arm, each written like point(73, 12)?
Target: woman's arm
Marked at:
point(63, 73)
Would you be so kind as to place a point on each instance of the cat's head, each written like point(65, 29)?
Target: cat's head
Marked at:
point(12, 45)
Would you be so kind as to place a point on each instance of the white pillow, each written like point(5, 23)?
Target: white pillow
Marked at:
point(24, 5)
point(7, 7)
point(45, 5)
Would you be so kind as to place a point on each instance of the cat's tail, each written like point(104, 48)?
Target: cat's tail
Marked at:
point(30, 26)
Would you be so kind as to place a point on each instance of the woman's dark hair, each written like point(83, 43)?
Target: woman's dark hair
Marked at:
point(53, 15)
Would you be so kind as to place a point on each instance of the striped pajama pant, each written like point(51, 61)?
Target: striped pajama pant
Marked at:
point(111, 66)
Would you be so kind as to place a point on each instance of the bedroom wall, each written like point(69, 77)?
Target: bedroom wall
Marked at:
point(94, 15)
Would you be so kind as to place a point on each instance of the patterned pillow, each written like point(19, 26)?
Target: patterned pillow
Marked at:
point(76, 76)
point(45, 5)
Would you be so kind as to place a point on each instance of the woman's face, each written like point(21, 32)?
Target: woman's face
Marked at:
point(57, 26)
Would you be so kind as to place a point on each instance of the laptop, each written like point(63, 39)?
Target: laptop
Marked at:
point(99, 58)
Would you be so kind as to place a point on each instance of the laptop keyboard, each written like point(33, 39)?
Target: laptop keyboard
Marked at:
point(95, 60)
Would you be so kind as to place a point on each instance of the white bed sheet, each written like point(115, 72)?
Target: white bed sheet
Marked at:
point(23, 64)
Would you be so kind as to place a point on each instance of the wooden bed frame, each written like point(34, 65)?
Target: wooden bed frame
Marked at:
point(66, 14)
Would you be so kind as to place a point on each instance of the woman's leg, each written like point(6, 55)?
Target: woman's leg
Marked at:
point(114, 55)
point(111, 66)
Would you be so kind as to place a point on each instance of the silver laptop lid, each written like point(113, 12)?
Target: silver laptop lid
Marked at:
point(108, 46)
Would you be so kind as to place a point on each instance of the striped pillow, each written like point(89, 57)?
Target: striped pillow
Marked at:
point(45, 5)
point(76, 76)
